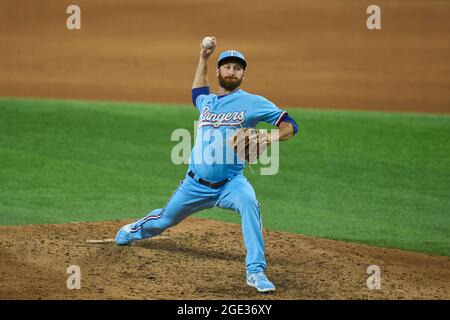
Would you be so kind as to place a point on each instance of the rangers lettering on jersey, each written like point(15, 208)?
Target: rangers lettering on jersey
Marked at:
point(221, 119)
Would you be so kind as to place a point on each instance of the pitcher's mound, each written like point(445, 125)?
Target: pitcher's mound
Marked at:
point(204, 259)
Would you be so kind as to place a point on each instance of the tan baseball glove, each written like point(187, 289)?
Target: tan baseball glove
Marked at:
point(250, 143)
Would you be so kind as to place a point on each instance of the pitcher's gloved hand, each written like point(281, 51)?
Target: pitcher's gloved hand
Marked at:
point(250, 143)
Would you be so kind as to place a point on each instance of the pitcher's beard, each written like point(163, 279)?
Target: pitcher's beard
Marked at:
point(229, 85)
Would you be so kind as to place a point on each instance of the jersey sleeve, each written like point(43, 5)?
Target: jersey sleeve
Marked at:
point(267, 111)
point(199, 95)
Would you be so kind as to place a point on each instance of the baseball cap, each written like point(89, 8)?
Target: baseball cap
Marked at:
point(231, 55)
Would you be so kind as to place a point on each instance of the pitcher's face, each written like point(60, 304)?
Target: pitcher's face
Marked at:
point(230, 75)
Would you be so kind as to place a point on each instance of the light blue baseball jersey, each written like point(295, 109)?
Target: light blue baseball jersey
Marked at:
point(213, 157)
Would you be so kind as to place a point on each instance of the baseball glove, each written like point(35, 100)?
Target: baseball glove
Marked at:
point(250, 143)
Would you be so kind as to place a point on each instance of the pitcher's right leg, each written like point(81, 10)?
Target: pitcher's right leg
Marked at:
point(186, 200)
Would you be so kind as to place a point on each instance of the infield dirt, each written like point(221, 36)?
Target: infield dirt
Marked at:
point(203, 259)
point(300, 53)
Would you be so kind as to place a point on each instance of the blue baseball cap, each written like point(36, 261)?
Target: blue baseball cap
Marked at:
point(229, 55)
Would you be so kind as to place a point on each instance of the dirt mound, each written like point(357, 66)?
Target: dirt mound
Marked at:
point(300, 52)
point(203, 259)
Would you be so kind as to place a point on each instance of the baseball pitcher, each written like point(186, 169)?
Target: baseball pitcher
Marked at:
point(211, 183)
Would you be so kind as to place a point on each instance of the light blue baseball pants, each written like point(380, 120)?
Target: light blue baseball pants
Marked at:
point(191, 197)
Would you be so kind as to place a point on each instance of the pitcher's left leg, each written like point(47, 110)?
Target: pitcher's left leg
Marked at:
point(238, 195)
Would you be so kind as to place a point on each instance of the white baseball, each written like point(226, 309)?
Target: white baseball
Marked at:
point(207, 42)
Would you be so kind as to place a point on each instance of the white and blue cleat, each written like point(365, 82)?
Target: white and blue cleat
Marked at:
point(123, 236)
point(260, 282)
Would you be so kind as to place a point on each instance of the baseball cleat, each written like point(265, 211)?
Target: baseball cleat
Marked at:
point(260, 282)
point(123, 237)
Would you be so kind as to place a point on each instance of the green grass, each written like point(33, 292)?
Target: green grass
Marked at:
point(376, 178)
